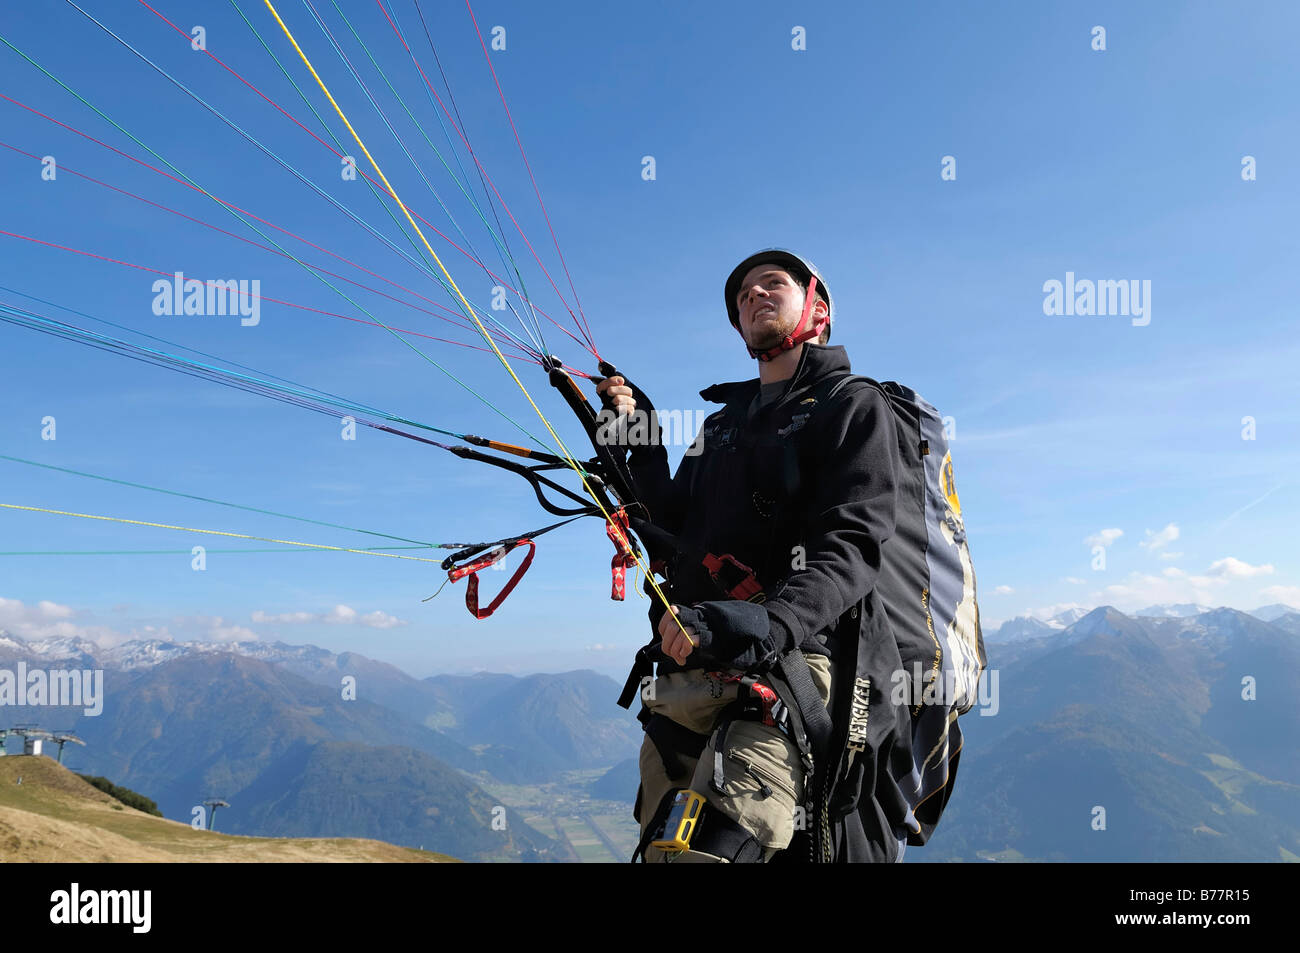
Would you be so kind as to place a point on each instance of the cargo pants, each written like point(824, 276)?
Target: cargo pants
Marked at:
point(694, 699)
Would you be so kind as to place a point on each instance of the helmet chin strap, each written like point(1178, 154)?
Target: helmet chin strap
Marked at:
point(799, 334)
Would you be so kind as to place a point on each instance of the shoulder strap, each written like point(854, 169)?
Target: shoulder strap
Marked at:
point(844, 379)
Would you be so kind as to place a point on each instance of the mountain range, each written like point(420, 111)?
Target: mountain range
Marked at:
point(1031, 627)
point(267, 727)
point(1149, 738)
point(1166, 735)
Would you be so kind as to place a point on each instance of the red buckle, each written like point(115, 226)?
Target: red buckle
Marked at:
point(769, 699)
point(742, 584)
point(765, 693)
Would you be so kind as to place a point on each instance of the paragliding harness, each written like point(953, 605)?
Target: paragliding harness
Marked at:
point(927, 588)
point(785, 698)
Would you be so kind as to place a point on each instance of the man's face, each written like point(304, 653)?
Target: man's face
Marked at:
point(770, 303)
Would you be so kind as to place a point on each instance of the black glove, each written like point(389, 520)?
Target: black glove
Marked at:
point(730, 632)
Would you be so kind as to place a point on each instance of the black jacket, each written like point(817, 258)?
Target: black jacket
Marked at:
point(805, 499)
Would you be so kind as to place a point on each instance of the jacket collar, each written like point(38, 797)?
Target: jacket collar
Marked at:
point(816, 362)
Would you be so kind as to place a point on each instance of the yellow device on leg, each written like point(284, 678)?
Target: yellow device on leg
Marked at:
point(681, 823)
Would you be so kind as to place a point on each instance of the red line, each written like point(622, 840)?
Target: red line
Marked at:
point(244, 211)
point(464, 325)
point(545, 214)
point(289, 304)
point(379, 185)
point(586, 332)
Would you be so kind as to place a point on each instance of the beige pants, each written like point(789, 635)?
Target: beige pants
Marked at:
point(693, 699)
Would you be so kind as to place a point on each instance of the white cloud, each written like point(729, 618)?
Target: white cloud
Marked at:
point(1236, 569)
point(1170, 555)
point(201, 628)
point(1076, 581)
point(1003, 591)
point(284, 618)
point(1158, 540)
point(381, 620)
point(1286, 594)
point(52, 610)
point(220, 632)
point(1218, 585)
point(339, 615)
point(1046, 612)
point(15, 612)
point(1140, 590)
point(50, 620)
point(1104, 538)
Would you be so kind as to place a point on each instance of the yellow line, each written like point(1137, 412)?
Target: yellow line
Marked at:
point(469, 311)
point(214, 532)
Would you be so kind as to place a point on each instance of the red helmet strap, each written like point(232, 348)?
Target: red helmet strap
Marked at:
point(798, 335)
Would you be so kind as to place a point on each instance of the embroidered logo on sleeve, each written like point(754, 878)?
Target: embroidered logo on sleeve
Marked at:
point(796, 423)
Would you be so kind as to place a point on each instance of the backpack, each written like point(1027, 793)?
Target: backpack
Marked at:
point(927, 586)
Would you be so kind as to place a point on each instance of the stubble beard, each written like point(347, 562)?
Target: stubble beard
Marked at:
point(773, 332)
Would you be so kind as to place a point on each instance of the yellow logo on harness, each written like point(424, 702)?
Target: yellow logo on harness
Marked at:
point(948, 485)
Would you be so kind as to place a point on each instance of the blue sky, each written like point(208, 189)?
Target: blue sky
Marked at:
point(1122, 164)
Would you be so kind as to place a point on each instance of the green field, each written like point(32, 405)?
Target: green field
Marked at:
point(595, 831)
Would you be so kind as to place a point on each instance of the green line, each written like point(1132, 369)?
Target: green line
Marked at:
point(540, 341)
point(420, 252)
point(423, 544)
point(374, 191)
point(240, 217)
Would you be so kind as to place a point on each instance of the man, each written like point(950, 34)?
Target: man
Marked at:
point(775, 533)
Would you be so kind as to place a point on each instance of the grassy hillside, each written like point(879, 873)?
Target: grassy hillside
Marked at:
point(386, 792)
point(53, 815)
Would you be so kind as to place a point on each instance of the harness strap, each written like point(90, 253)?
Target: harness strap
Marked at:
point(618, 532)
point(765, 705)
point(793, 669)
point(495, 556)
point(722, 837)
point(642, 668)
point(655, 827)
point(672, 740)
point(815, 720)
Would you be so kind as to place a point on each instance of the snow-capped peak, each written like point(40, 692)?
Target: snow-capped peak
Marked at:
point(1180, 610)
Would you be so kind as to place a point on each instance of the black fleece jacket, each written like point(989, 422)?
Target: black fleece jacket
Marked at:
point(804, 495)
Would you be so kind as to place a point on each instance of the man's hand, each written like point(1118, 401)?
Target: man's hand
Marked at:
point(616, 389)
point(677, 643)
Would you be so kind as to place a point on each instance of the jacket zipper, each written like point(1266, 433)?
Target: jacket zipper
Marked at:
point(764, 789)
